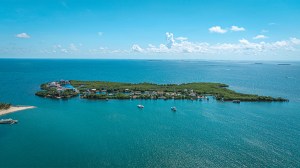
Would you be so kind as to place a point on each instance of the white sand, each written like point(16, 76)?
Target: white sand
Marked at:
point(15, 109)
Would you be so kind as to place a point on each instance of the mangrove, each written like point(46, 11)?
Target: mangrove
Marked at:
point(119, 90)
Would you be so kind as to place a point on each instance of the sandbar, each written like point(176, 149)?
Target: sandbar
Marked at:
point(13, 109)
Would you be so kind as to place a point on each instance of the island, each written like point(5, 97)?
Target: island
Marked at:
point(6, 108)
point(104, 90)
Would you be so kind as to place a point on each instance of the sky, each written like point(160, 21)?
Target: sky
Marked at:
point(151, 29)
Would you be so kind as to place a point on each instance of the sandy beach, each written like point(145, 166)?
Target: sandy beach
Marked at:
point(13, 109)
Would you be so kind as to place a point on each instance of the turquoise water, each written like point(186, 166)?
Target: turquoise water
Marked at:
point(85, 133)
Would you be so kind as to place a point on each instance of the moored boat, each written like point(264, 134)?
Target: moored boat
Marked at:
point(140, 106)
point(8, 121)
point(173, 109)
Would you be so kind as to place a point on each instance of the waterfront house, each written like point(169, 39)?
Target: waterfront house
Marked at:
point(160, 93)
point(192, 94)
point(154, 93)
point(64, 82)
point(53, 84)
point(137, 93)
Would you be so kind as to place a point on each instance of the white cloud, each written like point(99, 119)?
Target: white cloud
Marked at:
point(151, 46)
point(182, 38)
point(64, 50)
point(57, 46)
point(217, 29)
point(22, 35)
point(236, 28)
point(136, 48)
point(182, 46)
point(175, 45)
point(280, 44)
point(260, 36)
point(295, 41)
point(244, 41)
point(170, 39)
point(73, 47)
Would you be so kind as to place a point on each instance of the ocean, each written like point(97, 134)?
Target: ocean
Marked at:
point(115, 133)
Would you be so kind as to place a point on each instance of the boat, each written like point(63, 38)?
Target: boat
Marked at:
point(236, 101)
point(140, 106)
point(8, 121)
point(173, 109)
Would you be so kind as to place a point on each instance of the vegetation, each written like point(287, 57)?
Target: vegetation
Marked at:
point(4, 106)
point(118, 90)
point(97, 96)
point(180, 91)
point(53, 92)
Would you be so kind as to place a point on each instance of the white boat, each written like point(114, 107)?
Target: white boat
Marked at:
point(173, 109)
point(140, 106)
point(8, 121)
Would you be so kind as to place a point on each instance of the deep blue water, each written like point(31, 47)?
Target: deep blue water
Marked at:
point(85, 133)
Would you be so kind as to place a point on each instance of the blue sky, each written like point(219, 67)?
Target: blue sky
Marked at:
point(169, 29)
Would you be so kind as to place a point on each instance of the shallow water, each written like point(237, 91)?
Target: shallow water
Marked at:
point(115, 133)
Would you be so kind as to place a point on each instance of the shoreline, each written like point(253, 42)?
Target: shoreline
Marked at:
point(13, 109)
point(105, 90)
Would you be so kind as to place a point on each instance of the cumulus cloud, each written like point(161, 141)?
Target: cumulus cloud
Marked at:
point(170, 39)
point(236, 28)
point(177, 45)
point(260, 36)
point(244, 41)
point(295, 41)
point(217, 29)
point(22, 35)
point(280, 44)
point(181, 45)
point(181, 38)
point(136, 48)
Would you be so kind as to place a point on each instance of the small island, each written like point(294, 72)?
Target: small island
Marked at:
point(6, 108)
point(116, 90)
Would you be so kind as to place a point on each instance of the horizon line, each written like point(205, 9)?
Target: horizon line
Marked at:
point(147, 59)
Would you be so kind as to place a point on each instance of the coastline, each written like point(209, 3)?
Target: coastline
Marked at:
point(13, 109)
point(105, 90)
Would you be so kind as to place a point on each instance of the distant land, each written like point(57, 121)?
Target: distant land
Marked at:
point(116, 90)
